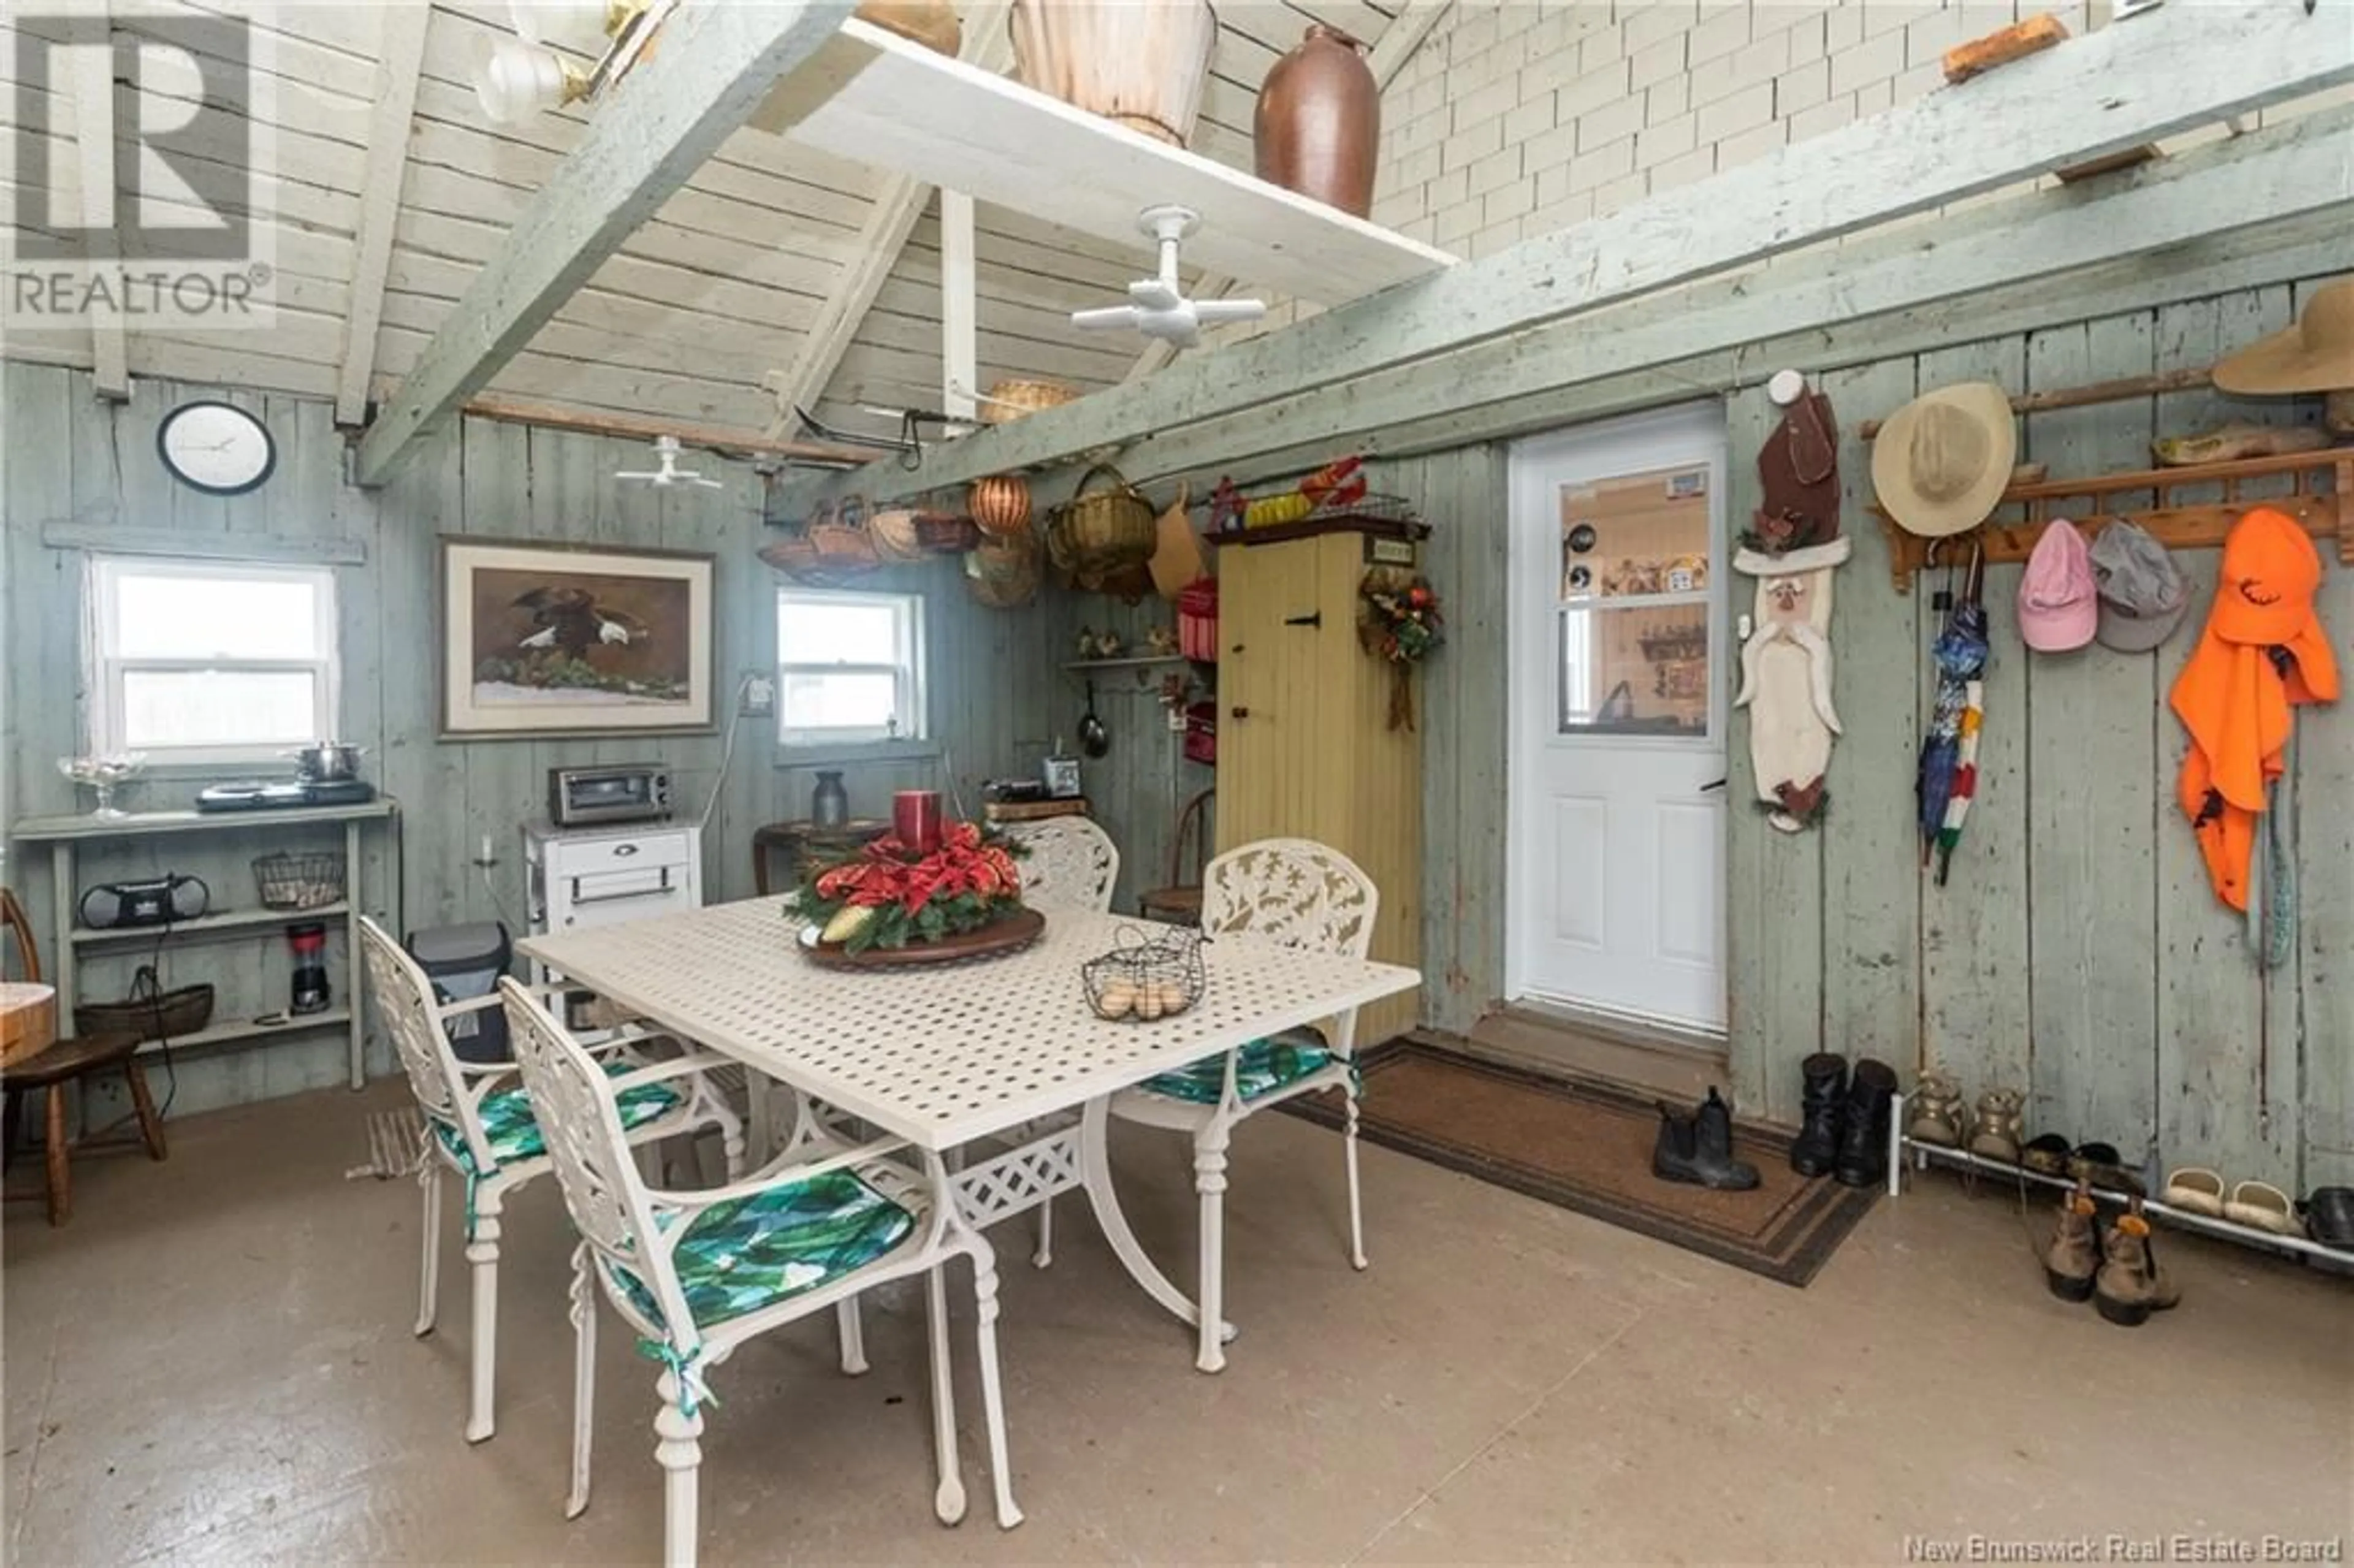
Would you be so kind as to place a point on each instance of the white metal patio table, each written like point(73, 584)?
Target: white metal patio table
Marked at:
point(950, 1055)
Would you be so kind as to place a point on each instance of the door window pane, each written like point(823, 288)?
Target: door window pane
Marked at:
point(1634, 670)
point(1646, 534)
point(163, 708)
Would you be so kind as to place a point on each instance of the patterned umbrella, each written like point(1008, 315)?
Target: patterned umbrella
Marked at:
point(1948, 778)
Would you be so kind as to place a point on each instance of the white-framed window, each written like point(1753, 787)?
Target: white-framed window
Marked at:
point(205, 661)
point(849, 667)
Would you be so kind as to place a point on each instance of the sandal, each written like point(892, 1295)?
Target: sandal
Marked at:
point(2262, 1206)
point(2195, 1190)
point(2097, 1163)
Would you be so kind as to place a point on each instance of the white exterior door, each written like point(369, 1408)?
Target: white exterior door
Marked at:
point(1616, 886)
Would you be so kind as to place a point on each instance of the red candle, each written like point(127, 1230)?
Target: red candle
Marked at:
point(916, 819)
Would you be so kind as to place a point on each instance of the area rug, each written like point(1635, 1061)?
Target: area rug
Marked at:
point(1587, 1147)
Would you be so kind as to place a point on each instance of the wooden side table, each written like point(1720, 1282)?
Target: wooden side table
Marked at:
point(804, 842)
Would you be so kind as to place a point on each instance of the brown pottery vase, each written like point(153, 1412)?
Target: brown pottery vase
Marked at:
point(1318, 125)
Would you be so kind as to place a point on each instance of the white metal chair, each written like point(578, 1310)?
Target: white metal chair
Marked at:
point(1303, 895)
point(479, 1125)
point(698, 1274)
point(1072, 863)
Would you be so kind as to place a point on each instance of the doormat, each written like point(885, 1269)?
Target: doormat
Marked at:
point(1587, 1147)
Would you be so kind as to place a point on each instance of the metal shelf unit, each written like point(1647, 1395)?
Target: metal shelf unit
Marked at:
point(65, 835)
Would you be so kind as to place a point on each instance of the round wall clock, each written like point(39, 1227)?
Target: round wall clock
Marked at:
point(217, 448)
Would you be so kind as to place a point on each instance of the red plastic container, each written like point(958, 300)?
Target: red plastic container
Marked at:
point(1197, 621)
point(1202, 733)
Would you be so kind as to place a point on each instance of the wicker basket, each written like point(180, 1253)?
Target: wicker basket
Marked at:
point(307, 881)
point(1009, 401)
point(149, 1011)
point(1000, 505)
point(1002, 574)
point(1103, 530)
point(946, 532)
point(894, 532)
point(833, 548)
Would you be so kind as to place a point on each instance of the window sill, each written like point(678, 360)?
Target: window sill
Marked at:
point(852, 752)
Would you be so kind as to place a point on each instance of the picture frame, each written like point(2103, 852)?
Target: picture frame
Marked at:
point(543, 638)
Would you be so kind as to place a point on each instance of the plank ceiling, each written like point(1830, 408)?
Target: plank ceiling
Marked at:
point(718, 290)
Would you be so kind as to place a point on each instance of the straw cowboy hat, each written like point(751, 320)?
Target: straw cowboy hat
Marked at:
point(1942, 460)
point(2314, 356)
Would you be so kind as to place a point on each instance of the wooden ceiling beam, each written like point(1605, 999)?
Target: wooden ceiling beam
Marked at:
point(710, 68)
point(400, 67)
point(2167, 72)
point(2287, 173)
point(1397, 45)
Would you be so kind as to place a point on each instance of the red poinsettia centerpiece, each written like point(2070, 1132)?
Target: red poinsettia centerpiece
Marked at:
point(891, 894)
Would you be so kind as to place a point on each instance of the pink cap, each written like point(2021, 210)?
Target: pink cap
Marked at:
point(2059, 603)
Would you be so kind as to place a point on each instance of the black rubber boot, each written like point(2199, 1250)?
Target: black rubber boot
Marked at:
point(1863, 1125)
point(1816, 1148)
point(1698, 1149)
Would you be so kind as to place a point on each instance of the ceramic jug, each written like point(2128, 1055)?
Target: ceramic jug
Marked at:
point(1317, 128)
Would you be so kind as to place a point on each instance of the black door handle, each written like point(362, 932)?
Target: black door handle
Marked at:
point(1313, 617)
point(1718, 785)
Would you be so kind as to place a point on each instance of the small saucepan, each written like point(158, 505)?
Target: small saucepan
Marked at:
point(327, 762)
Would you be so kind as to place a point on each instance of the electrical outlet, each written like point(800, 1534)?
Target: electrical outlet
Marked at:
point(759, 698)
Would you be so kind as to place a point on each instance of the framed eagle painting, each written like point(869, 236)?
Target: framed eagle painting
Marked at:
point(544, 638)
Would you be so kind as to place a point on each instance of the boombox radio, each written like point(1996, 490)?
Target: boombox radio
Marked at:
point(166, 900)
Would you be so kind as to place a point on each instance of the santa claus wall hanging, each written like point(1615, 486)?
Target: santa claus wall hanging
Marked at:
point(1791, 547)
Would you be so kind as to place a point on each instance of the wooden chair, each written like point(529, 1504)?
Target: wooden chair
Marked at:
point(1180, 902)
point(68, 1061)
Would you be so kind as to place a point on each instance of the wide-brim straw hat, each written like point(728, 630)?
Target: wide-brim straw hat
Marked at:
point(1942, 460)
point(2314, 356)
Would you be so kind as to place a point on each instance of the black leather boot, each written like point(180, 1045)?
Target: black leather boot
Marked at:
point(1863, 1125)
point(1698, 1149)
point(1817, 1147)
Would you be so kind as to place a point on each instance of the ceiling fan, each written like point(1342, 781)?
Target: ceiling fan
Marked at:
point(666, 448)
point(1159, 307)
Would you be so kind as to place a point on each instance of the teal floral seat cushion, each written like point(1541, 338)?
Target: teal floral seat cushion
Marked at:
point(513, 1132)
point(744, 1254)
point(1266, 1066)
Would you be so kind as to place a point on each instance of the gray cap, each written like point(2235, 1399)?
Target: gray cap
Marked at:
point(2143, 596)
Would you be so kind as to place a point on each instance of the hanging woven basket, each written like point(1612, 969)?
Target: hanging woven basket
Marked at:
point(1000, 505)
point(1106, 528)
point(832, 548)
point(1002, 574)
point(1009, 401)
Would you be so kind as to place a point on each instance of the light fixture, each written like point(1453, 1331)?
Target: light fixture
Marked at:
point(1158, 305)
point(578, 22)
point(513, 81)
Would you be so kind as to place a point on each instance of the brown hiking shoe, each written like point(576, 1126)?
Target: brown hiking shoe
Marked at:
point(2073, 1256)
point(2130, 1285)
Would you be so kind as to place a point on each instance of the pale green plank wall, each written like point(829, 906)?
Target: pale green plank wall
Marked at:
point(68, 455)
point(2076, 952)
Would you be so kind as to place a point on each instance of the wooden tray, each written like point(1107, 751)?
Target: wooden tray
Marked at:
point(1009, 934)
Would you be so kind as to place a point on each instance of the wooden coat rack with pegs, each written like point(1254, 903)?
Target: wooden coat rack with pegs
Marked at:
point(2325, 514)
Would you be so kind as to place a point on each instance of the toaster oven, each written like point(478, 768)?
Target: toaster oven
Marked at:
point(616, 792)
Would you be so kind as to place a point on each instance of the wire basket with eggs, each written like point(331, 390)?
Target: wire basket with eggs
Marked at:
point(1145, 979)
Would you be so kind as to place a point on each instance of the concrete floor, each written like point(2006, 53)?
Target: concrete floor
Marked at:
point(213, 1363)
